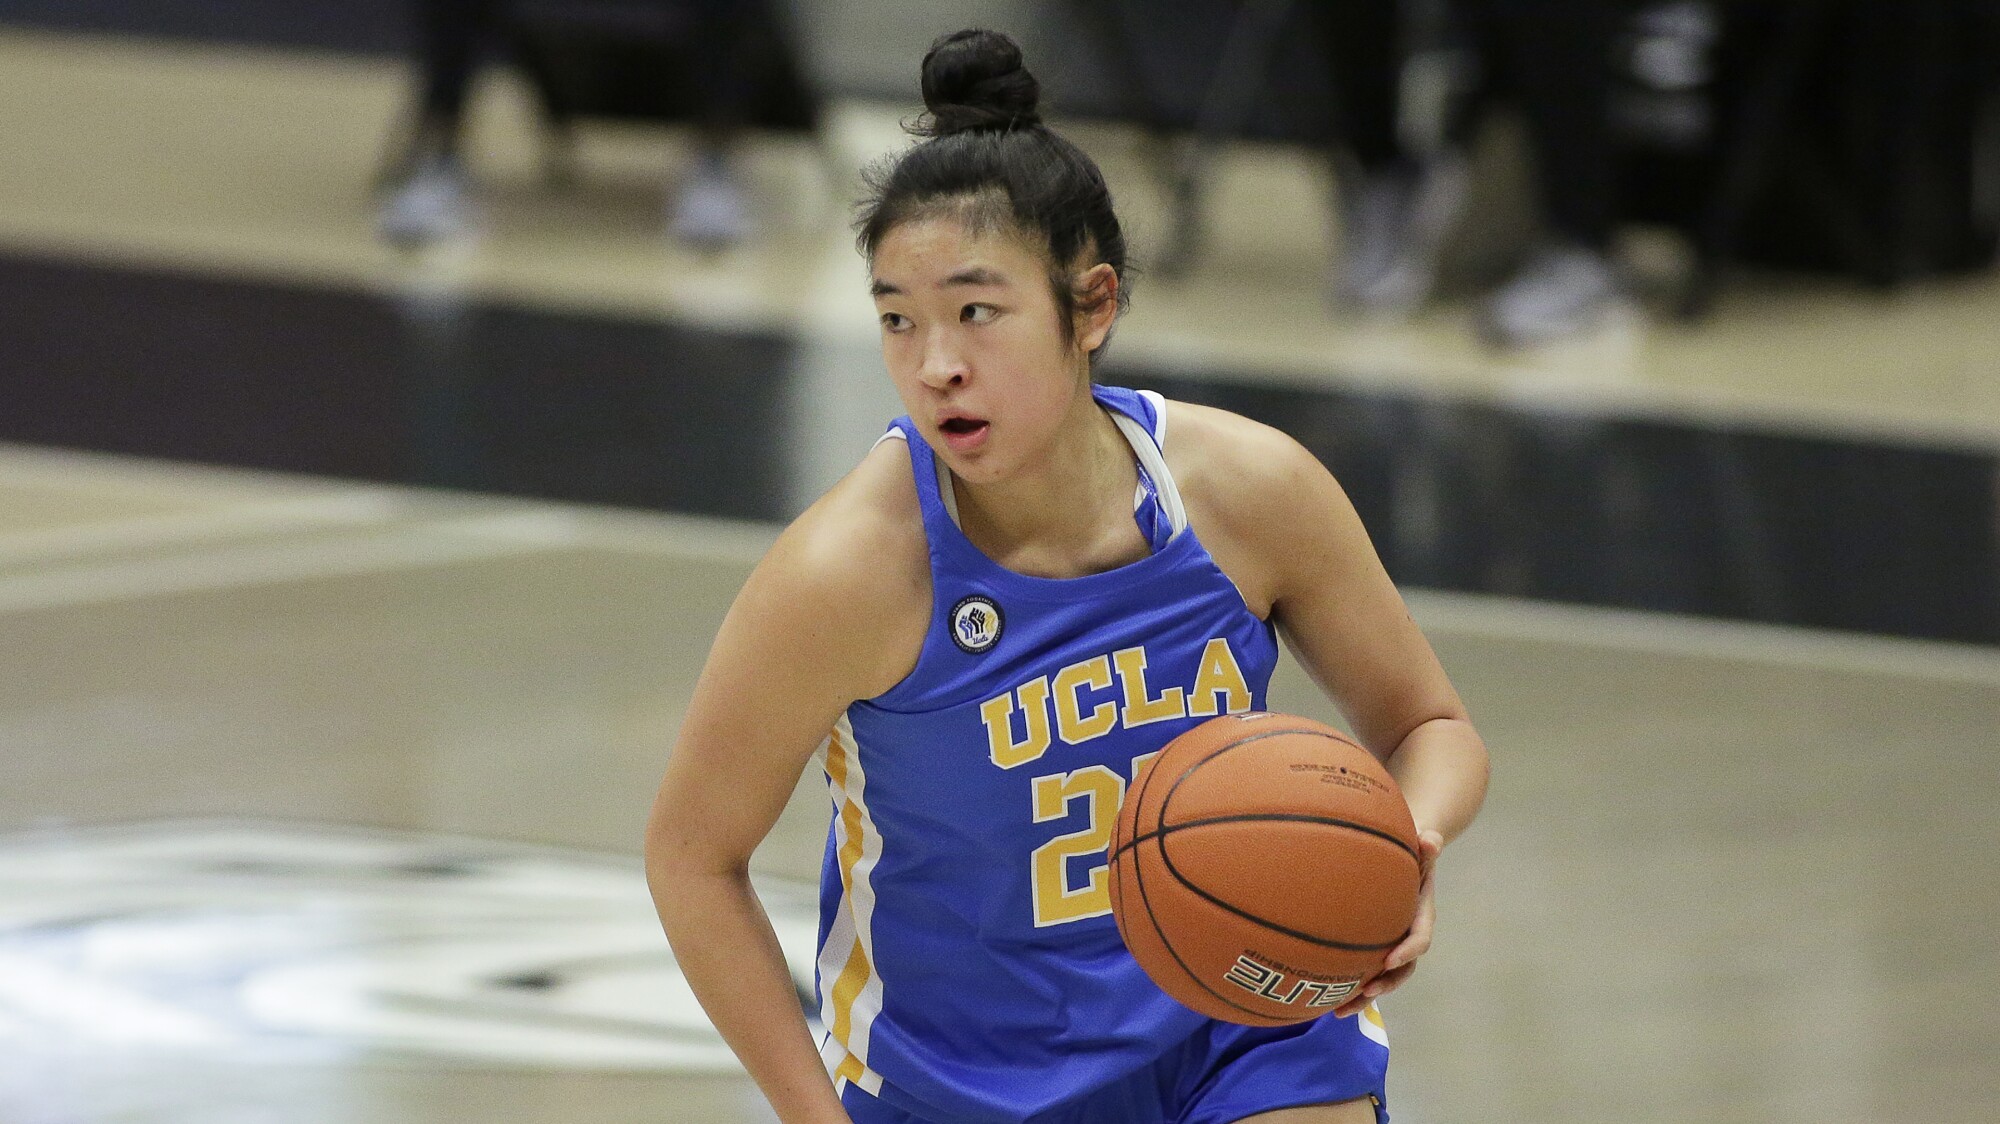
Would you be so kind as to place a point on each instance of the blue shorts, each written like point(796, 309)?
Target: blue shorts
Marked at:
point(1221, 1074)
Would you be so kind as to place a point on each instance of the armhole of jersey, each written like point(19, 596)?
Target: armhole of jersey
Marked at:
point(946, 494)
point(1159, 405)
point(924, 513)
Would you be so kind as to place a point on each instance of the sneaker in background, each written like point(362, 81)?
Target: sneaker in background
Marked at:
point(433, 205)
point(1393, 225)
point(1562, 290)
point(710, 211)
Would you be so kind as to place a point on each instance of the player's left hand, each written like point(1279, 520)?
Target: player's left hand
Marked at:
point(1402, 960)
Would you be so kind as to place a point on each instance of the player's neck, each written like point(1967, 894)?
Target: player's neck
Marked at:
point(1058, 516)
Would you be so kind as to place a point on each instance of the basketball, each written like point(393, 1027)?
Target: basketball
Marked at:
point(1262, 868)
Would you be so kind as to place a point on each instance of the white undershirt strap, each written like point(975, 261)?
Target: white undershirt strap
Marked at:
point(1159, 405)
point(1156, 465)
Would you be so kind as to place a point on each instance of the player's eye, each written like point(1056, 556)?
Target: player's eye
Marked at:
point(978, 313)
point(895, 321)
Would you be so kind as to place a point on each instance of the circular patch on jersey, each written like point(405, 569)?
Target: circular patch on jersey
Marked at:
point(975, 624)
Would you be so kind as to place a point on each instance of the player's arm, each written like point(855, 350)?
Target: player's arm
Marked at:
point(1284, 529)
point(820, 622)
point(1288, 534)
point(1349, 628)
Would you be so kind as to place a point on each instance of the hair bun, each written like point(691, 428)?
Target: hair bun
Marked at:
point(974, 80)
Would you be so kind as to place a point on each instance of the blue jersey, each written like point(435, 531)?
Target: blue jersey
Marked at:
point(969, 967)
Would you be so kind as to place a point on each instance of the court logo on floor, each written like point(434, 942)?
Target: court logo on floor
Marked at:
point(296, 942)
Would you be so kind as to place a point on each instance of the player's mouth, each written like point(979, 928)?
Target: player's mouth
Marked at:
point(964, 434)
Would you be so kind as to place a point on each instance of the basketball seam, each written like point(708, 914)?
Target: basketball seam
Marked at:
point(1287, 817)
point(1146, 903)
point(1220, 750)
point(1344, 946)
point(1164, 830)
point(1139, 875)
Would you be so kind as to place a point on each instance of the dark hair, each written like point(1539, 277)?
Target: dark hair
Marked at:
point(990, 162)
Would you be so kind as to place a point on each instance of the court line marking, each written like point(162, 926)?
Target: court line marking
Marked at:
point(1443, 612)
point(343, 509)
point(406, 548)
point(697, 538)
point(123, 474)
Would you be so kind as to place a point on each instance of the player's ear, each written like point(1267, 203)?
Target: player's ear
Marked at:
point(1096, 291)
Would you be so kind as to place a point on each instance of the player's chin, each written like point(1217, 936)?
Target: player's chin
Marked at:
point(977, 467)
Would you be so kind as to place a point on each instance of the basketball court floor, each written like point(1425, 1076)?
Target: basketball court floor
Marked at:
point(322, 781)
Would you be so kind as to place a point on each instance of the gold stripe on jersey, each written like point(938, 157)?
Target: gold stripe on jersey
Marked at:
point(854, 998)
point(1372, 1026)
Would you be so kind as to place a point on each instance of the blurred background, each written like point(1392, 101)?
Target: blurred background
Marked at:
point(394, 394)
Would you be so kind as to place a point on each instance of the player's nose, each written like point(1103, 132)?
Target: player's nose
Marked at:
point(943, 365)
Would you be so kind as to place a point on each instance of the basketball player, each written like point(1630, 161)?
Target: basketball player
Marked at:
point(1027, 587)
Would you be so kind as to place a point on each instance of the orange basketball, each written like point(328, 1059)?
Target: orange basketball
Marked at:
point(1263, 867)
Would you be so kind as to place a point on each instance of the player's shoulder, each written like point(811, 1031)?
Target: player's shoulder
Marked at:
point(857, 566)
point(865, 537)
point(1233, 466)
point(1245, 484)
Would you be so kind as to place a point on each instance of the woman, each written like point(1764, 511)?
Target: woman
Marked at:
point(1019, 593)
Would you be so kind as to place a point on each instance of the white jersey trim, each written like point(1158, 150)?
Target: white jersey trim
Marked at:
point(1372, 1026)
point(850, 984)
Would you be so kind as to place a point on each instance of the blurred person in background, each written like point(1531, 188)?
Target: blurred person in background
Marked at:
point(1400, 170)
point(1402, 162)
point(431, 199)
